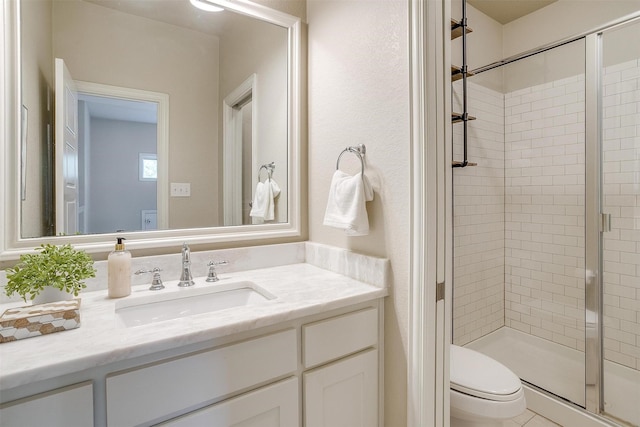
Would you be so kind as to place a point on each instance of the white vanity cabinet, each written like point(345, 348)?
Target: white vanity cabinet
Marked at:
point(339, 370)
point(64, 407)
point(343, 390)
point(320, 370)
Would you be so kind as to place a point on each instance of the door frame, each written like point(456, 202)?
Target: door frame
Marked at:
point(593, 236)
point(162, 135)
point(232, 150)
point(431, 222)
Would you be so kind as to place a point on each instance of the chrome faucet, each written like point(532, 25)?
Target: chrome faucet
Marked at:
point(185, 278)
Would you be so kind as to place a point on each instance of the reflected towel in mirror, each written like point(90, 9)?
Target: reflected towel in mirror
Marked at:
point(263, 206)
point(346, 207)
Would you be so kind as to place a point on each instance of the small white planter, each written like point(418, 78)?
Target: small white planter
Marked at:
point(51, 294)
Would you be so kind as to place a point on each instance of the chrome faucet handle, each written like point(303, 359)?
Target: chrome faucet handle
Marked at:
point(213, 276)
point(156, 282)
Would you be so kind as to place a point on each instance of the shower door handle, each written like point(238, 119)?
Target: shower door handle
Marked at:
point(605, 222)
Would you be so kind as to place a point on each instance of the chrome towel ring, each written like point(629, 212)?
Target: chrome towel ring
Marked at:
point(359, 150)
point(269, 168)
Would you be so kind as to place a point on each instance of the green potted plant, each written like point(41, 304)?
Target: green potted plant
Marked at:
point(60, 269)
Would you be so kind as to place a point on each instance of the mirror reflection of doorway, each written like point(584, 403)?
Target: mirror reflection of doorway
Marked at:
point(110, 157)
point(239, 152)
point(113, 133)
point(247, 158)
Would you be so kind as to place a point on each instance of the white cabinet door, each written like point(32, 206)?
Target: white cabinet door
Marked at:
point(272, 406)
point(66, 407)
point(344, 393)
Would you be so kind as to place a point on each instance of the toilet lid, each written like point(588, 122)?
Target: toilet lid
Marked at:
point(475, 374)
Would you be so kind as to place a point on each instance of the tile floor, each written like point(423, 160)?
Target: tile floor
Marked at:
point(530, 419)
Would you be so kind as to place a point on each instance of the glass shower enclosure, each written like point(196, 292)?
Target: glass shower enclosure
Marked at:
point(547, 224)
point(619, 98)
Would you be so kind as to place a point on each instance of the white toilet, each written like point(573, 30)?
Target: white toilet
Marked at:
point(483, 391)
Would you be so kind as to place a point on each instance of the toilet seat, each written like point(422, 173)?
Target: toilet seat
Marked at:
point(475, 374)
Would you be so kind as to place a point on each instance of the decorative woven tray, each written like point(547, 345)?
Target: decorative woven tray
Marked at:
point(40, 319)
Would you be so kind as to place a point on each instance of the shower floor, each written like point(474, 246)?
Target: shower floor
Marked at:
point(560, 370)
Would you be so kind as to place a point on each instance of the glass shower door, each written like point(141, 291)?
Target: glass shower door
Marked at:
point(620, 199)
point(519, 220)
point(545, 218)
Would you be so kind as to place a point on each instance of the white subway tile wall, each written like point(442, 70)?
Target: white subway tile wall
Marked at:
point(544, 204)
point(519, 215)
point(479, 218)
point(621, 199)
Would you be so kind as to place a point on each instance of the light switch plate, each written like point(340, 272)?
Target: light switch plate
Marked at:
point(180, 189)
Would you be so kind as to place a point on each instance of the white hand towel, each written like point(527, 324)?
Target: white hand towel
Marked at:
point(259, 205)
point(273, 191)
point(346, 207)
point(263, 206)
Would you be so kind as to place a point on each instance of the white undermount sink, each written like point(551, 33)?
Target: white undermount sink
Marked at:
point(201, 298)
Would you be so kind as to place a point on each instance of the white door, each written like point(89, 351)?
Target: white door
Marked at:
point(272, 406)
point(343, 394)
point(66, 148)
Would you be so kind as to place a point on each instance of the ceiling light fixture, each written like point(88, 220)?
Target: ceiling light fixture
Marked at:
point(206, 6)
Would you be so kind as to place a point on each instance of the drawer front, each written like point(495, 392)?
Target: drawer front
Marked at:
point(339, 336)
point(68, 406)
point(272, 406)
point(146, 394)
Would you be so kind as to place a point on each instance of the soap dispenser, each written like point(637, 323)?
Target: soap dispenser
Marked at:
point(119, 271)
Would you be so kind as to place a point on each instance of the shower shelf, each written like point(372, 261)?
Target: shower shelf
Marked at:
point(458, 118)
point(457, 164)
point(456, 29)
point(461, 29)
point(456, 73)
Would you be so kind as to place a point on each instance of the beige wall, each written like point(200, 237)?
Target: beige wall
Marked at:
point(359, 93)
point(144, 54)
point(484, 43)
point(37, 82)
point(292, 7)
point(491, 41)
point(560, 20)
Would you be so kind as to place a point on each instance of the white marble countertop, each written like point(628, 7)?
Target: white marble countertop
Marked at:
point(300, 289)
